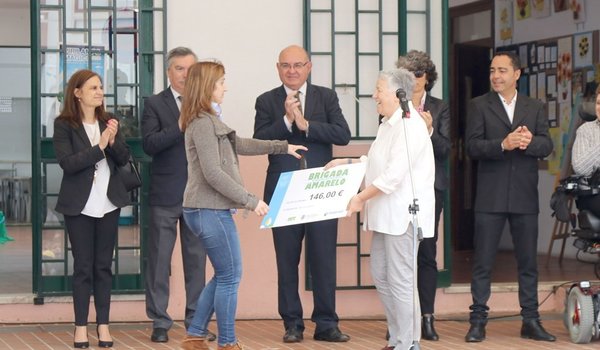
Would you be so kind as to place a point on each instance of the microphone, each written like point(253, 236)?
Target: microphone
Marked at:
point(401, 94)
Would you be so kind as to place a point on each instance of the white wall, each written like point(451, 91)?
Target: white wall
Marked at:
point(14, 24)
point(247, 37)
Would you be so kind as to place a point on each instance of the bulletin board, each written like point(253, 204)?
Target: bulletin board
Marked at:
point(560, 72)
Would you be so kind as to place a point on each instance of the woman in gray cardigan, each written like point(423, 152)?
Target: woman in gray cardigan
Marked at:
point(213, 189)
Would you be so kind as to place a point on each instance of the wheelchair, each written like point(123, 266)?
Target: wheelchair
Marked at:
point(582, 302)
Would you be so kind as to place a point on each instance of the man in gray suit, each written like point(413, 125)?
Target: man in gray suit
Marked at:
point(506, 133)
point(164, 141)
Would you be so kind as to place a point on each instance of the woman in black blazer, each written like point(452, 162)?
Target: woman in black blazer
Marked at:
point(89, 149)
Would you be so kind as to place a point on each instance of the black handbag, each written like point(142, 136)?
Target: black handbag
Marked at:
point(130, 175)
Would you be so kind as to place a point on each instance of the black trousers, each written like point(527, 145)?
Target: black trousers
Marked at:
point(427, 270)
point(92, 245)
point(321, 239)
point(524, 232)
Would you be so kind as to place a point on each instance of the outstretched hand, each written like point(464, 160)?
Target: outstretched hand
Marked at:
point(335, 162)
point(293, 150)
point(261, 209)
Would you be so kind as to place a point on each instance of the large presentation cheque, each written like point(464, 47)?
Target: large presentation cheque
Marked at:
point(313, 195)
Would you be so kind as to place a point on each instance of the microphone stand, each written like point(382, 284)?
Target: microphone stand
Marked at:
point(413, 209)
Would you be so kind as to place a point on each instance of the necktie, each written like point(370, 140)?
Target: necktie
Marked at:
point(303, 164)
point(179, 101)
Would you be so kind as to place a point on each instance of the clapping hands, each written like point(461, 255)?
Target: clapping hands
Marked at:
point(520, 138)
point(108, 135)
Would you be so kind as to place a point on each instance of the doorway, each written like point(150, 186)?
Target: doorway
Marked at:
point(471, 44)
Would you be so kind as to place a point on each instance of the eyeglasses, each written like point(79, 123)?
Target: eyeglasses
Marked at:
point(418, 73)
point(297, 65)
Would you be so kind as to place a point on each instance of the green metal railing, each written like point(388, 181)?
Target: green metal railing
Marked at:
point(405, 9)
point(114, 38)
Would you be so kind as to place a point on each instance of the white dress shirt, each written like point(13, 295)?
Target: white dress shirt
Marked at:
point(388, 170)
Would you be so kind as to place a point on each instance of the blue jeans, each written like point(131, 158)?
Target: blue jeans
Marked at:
point(218, 234)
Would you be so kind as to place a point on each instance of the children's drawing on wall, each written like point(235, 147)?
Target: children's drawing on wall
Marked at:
point(555, 157)
point(541, 84)
point(552, 118)
point(578, 82)
point(523, 9)
point(564, 70)
point(540, 8)
point(533, 86)
point(560, 5)
point(583, 49)
point(505, 20)
point(578, 9)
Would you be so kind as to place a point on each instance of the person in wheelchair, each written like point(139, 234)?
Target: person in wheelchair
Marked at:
point(586, 159)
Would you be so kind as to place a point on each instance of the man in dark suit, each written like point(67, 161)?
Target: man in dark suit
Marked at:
point(309, 115)
point(164, 141)
point(506, 133)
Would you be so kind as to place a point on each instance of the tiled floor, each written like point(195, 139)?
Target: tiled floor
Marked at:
point(261, 334)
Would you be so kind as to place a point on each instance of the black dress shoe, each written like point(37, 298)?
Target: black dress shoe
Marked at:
point(476, 333)
point(159, 335)
point(532, 329)
point(427, 329)
point(210, 336)
point(103, 343)
point(332, 335)
point(293, 335)
point(81, 344)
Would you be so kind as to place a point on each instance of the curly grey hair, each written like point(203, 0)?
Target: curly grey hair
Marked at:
point(419, 61)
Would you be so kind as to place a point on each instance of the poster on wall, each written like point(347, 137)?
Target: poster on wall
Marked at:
point(551, 85)
point(541, 86)
point(540, 8)
point(578, 8)
point(77, 57)
point(560, 5)
point(578, 82)
point(564, 70)
point(554, 159)
point(583, 48)
point(522, 10)
point(505, 20)
point(552, 119)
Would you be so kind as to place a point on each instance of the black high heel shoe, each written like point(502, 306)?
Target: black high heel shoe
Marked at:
point(80, 344)
point(102, 343)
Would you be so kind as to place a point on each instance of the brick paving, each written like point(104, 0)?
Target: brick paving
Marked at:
point(266, 334)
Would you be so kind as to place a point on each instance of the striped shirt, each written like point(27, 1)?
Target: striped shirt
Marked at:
point(586, 149)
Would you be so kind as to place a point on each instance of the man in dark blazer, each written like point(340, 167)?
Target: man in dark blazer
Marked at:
point(164, 141)
point(506, 133)
point(309, 115)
